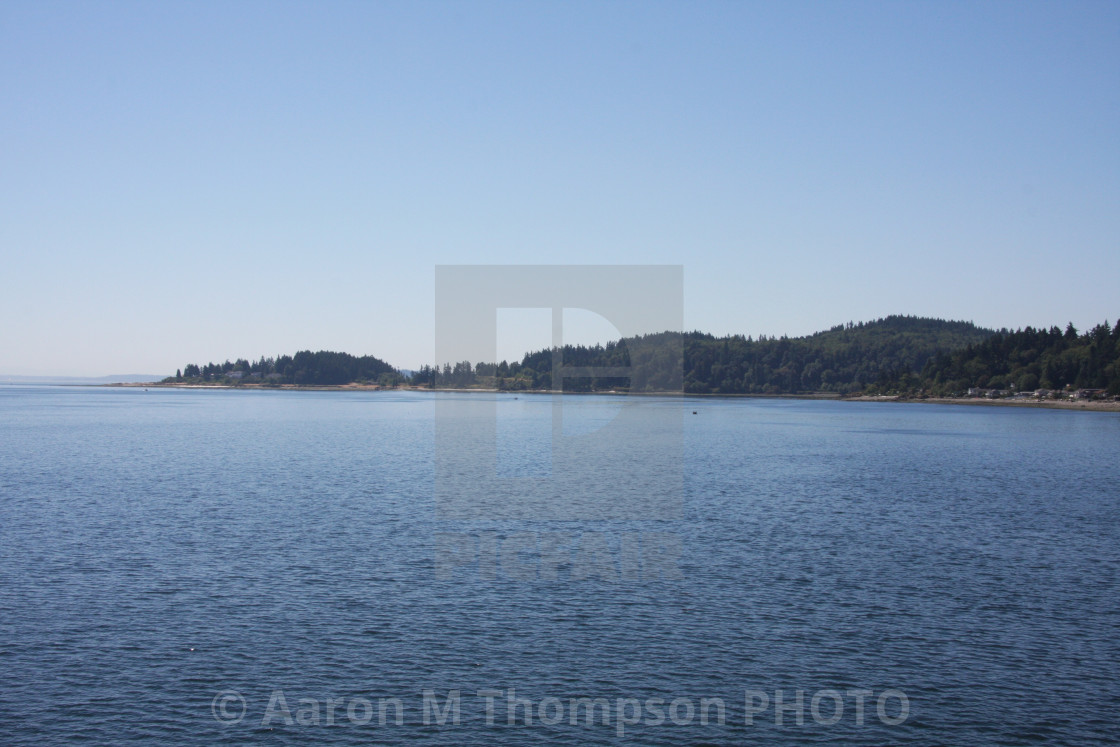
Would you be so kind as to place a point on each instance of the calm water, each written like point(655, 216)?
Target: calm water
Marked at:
point(170, 561)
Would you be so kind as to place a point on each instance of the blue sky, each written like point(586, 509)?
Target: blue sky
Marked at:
point(199, 181)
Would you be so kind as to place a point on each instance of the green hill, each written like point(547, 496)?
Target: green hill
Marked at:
point(305, 368)
point(846, 358)
point(1023, 360)
point(896, 354)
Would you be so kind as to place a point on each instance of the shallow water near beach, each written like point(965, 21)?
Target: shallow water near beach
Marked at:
point(217, 567)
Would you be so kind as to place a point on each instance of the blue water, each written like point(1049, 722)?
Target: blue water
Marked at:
point(172, 560)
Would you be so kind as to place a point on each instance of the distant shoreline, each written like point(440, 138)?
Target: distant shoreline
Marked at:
point(1053, 404)
point(1074, 405)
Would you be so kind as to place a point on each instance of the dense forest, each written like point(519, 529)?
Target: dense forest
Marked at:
point(895, 355)
point(1022, 361)
point(305, 368)
point(847, 358)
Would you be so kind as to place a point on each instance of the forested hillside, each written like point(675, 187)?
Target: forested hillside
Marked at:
point(845, 358)
point(305, 368)
point(897, 354)
point(1023, 361)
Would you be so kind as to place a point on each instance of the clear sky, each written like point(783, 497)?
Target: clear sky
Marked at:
point(195, 181)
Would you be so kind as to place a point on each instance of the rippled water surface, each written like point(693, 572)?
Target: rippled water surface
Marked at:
point(212, 567)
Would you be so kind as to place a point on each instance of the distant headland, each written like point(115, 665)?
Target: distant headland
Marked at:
point(895, 358)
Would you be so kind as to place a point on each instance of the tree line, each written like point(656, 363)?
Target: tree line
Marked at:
point(895, 354)
point(1024, 361)
point(845, 359)
point(305, 368)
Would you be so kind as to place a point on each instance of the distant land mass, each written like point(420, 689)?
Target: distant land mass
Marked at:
point(896, 355)
point(80, 380)
point(1026, 360)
